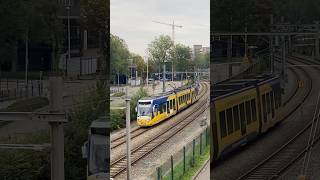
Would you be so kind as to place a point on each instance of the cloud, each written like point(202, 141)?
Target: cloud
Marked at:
point(132, 21)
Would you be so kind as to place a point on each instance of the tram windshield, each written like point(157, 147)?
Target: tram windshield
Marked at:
point(98, 162)
point(144, 109)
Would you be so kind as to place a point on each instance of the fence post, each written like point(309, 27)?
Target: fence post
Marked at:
point(80, 66)
point(201, 143)
point(193, 150)
point(159, 176)
point(39, 88)
point(31, 89)
point(184, 159)
point(172, 168)
point(206, 137)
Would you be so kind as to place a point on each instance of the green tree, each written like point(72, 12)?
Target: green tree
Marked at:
point(141, 64)
point(119, 56)
point(35, 19)
point(182, 57)
point(160, 50)
point(202, 60)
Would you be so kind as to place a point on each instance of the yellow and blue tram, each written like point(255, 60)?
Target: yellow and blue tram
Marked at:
point(242, 109)
point(152, 110)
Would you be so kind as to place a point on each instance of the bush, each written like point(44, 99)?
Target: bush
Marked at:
point(36, 165)
point(28, 164)
point(117, 118)
point(91, 107)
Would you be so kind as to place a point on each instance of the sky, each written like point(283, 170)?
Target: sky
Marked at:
point(132, 20)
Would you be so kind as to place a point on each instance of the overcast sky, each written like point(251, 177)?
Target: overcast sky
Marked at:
point(131, 20)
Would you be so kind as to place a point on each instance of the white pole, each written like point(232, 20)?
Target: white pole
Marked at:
point(173, 46)
point(128, 134)
point(147, 72)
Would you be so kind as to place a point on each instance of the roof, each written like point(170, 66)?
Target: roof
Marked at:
point(165, 94)
point(100, 123)
point(239, 84)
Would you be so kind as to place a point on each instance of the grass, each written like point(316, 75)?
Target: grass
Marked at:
point(25, 105)
point(191, 170)
point(118, 94)
point(198, 164)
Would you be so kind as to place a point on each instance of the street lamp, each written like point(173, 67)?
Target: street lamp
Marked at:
point(68, 7)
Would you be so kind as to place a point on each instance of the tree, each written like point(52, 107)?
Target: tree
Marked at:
point(141, 65)
point(160, 51)
point(35, 20)
point(182, 57)
point(119, 56)
point(202, 60)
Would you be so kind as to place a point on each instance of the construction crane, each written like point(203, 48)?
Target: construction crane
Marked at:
point(172, 26)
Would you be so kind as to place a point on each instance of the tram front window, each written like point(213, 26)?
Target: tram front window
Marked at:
point(98, 154)
point(144, 109)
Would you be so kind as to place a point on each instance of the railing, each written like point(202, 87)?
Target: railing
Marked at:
point(179, 163)
point(14, 89)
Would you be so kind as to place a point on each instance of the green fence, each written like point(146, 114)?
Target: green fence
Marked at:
point(179, 163)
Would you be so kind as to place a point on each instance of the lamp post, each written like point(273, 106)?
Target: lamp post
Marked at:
point(68, 7)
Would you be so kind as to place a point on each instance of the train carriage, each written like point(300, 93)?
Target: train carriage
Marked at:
point(153, 110)
point(241, 109)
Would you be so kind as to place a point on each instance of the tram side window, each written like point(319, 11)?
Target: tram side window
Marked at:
point(229, 121)
point(253, 110)
point(161, 108)
point(268, 103)
point(171, 107)
point(236, 118)
point(264, 108)
point(223, 127)
point(174, 104)
point(248, 112)
point(242, 115)
point(272, 103)
point(276, 99)
point(168, 108)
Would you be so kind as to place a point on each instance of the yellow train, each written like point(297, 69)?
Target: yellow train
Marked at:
point(153, 110)
point(241, 110)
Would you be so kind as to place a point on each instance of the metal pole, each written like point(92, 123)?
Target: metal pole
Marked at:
point(317, 42)
point(164, 77)
point(27, 61)
point(147, 73)
point(173, 46)
point(246, 41)
point(128, 134)
point(57, 134)
point(68, 9)
point(136, 77)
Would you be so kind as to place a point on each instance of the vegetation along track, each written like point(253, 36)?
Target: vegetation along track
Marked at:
point(280, 160)
point(121, 139)
point(118, 166)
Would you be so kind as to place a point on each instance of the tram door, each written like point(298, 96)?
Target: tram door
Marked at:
point(242, 119)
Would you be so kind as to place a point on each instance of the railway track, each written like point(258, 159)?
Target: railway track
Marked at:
point(118, 166)
point(118, 141)
point(278, 162)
